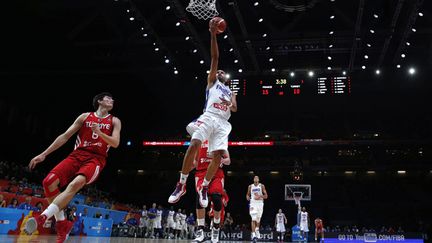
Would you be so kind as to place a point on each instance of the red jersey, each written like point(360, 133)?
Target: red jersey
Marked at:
point(203, 160)
point(91, 142)
point(318, 224)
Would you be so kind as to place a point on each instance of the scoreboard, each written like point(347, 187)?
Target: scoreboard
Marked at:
point(334, 85)
point(291, 86)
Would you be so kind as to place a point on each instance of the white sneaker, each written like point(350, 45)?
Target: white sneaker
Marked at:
point(258, 235)
point(178, 192)
point(203, 198)
point(215, 235)
point(199, 236)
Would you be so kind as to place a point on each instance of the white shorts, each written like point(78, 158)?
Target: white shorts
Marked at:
point(256, 211)
point(157, 224)
point(280, 227)
point(171, 224)
point(179, 226)
point(304, 227)
point(213, 129)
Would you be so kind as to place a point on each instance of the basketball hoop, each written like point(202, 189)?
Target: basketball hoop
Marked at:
point(202, 9)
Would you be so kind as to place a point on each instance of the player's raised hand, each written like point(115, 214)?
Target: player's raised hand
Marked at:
point(36, 160)
point(213, 26)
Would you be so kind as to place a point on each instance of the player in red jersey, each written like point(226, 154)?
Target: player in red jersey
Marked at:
point(216, 192)
point(319, 230)
point(97, 132)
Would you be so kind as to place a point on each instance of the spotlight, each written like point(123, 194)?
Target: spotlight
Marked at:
point(363, 67)
point(202, 62)
point(129, 143)
point(256, 4)
point(167, 60)
point(231, 49)
point(268, 48)
point(270, 59)
point(168, 7)
point(366, 56)
point(264, 35)
point(329, 68)
point(330, 46)
point(292, 74)
point(240, 70)
point(375, 16)
point(329, 57)
point(156, 49)
point(413, 30)
point(311, 73)
point(225, 36)
point(235, 61)
point(403, 55)
point(187, 38)
point(372, 31)
point(378, 72)
point(227, 75)
point(369, 45)
point(175, 72)
point(331, 32)
point(420, 14)
point(178, 24)
point(194, 50)
point(273, 69)
point(412, 71)
point(332, 17)
point(398, 66)
point(408, 44)
point(145, 34)
point(344, 73)
point(260, 20)
point(131, 18)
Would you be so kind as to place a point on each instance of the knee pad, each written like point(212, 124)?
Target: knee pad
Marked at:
point(198, 205)
point(49, 179)
point(217, 201)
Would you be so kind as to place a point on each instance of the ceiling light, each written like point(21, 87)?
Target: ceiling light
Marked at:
point(235, 61)
point(344, 73)
point(175, 72)
point(398, 66)
point(167, 60)
point(240, 70)
point(363, 67)
point(375, 16)
point(378, 72)
point(145, 34)
point(202, 62)
point(178, 24)
point(264, 35)
point(332, 17)
point(127, 10)
point(156, 49)
point(270, 59)
point(331, 32)
point(131, 18)
point(366, 56)
point(194, 50)
point(420, 14)
point(168, 7)
point(372, 31)
point(292, 74)
point(311, 73)
point(268, 48)
point(225, 36)
point(403, 55)
point(260, 20)
point(411, 71)
point(330, 46)
point(227, 75)
point(273, 69)
point(369, 45)
point(328, 68)
point(187, 38)
point(329, 57)
point(413, 29)
point(231, 49)
point(256, 4)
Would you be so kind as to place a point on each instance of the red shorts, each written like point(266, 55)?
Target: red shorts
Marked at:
point(319, 230)
point(217, 183)
point(79, 162)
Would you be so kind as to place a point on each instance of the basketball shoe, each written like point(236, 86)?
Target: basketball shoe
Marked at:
point(179, 191)
point(63, 229)
point(215, 235)
point(202, 193)
point(33, 223)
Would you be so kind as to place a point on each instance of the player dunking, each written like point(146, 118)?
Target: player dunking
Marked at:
point(213, 125)
point(280, 221)
point(256, 194)
point(217, 194)
point(319, 230)
point(97, 132)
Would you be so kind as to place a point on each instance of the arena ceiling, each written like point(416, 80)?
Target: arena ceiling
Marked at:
point(137, 36)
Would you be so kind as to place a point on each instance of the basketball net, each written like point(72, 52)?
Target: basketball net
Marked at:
point(202, 9)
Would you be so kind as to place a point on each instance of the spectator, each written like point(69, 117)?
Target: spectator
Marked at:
point(27, 204)
point(84, 213)
point(13, 203)
point(3, 202)
point(228, 224)
point(38, 207)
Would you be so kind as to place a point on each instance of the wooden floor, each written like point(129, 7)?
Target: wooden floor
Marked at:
point(78, 239)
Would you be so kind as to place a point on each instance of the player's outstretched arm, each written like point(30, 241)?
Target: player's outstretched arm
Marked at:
point(59, 141)
point(114, 139)
point(214, 52)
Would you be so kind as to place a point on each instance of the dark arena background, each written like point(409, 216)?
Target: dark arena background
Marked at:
point(333, 94)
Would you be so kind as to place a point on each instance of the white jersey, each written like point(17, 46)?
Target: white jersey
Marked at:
point(303, 217)
point(280, 218)
point(256, 191)
point(159, 215)
point(214, 96)
point(170, 215)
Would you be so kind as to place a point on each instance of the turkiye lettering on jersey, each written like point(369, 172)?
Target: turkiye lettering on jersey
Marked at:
point(90, 141)
point(214, 98)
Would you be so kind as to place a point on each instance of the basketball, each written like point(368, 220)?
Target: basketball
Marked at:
point(221, 24)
